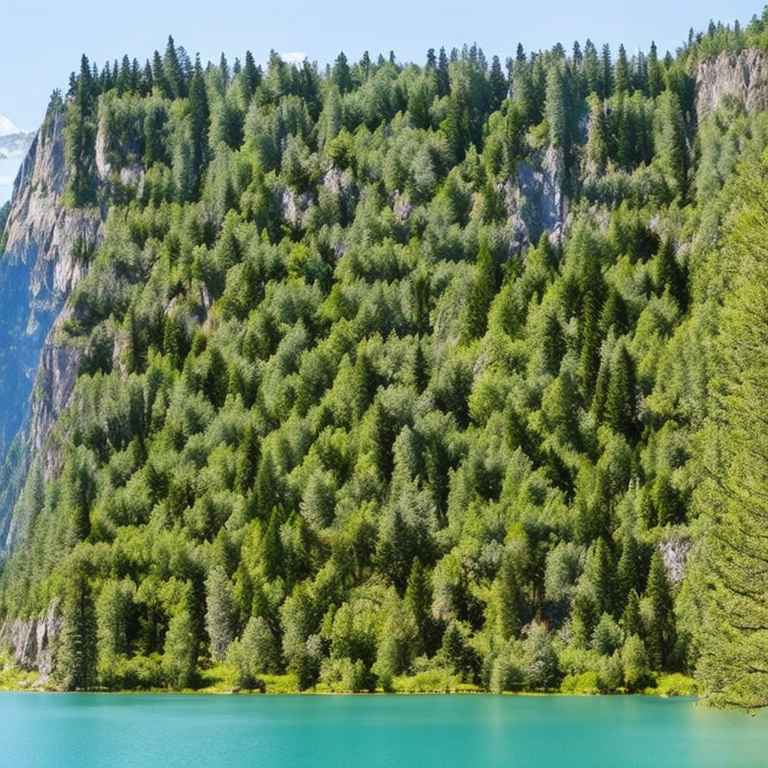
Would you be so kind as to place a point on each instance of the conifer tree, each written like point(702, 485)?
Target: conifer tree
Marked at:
point(655, 73)
point(219, 612)
point(598, 135)
point(510, 598)
point(662, 631)
point(733, 563)
point(631, 618)
point(180, 648)
point(418, 598)
point(272, 552)
point(481, 295)
point(623, 78)
point(620, 403)
point(78, 651)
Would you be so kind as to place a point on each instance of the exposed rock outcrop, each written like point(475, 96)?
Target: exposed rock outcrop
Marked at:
point(535, 201)
point(34, 641)
point(732, 77)
point(45, 256)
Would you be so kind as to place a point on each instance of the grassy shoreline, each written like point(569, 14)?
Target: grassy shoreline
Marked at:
point(219, 680)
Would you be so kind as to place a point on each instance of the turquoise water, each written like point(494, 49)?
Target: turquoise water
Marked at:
point(121, 731)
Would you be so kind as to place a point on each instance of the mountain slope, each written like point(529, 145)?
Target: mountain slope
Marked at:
point(396, 370)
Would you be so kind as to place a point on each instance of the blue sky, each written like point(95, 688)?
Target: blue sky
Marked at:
point(41, 42)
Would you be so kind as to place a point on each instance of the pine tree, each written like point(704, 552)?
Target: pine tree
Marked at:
point(78, 652)
point(418, 598)
point(655, 73)
point(590, 345)
point(219, 612)
point(272, 553)
point(80, 136)
point(481, 295)
point(597, 136)
point(180, 648)
point(497, 84)
point(733, 562)
point(251, 76)
point(605, 62)
point(602, 569)
point(628, 571)
point(620, 403)
point(443, 76)
point(174, 74)
point(671, 145)
point(623, 79)
point(557, 107)
point(631, 619)
point(510, 598)
point(662, 631)
point(199, 115)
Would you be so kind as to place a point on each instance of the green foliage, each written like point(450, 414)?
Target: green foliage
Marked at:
point(732, 561)
point(407, 371)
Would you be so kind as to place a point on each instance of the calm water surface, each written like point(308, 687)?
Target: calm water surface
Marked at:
point(121, 731)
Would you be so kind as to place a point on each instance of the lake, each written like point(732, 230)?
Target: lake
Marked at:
point(118, 731)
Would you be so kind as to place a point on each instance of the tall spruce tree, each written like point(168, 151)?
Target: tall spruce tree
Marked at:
point(734, 561)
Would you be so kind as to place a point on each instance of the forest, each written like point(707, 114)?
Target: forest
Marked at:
point(406, 377)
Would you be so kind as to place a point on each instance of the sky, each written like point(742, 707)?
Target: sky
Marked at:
point(41, 41)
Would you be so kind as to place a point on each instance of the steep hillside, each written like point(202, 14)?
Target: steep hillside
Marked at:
point(390, 376)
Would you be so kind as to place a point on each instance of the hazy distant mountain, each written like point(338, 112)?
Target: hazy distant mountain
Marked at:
point(14, 144)
point(7, 128)
point(13, 141)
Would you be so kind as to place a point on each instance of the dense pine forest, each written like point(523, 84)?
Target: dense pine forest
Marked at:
point(392, 376)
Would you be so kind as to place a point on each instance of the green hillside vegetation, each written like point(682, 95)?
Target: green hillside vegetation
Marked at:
point(409, 377)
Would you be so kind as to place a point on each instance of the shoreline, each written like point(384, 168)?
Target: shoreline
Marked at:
point(669, 686)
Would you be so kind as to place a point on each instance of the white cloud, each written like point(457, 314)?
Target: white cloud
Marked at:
point(293, 57)
point(6, 181)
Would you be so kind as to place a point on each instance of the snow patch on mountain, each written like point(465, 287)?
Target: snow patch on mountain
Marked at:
point(7, 128)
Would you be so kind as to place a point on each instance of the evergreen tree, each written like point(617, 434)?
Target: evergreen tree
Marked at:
point(497, 84)
point(623, 78)
point(557, 107)
point(80, 137)
point(655, 73)
point(251, 76)
point(593, 72)
point(671, 145)
point(173, 72)
point(732, 565)
point(180, 648)
point(620, 404)
point(272, 552)
point(481, 295)
point(510, 598)
point(443, 77)
point(662, 630)
point(631, 618)
point(219, 612)
point(598, 135)
point(628, 572)
point(341, 74)
point(607, 74)
point(602, 570)
point(418, 598)
point(78, 651)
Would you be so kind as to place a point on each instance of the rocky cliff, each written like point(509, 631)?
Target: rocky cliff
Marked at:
point(41, 263)
point(732, 79)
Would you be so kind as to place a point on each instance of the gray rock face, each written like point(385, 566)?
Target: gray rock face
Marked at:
point(674, 553)
point(535, 200)
point(34, 641)
point(741, 78)
point(41, 264)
